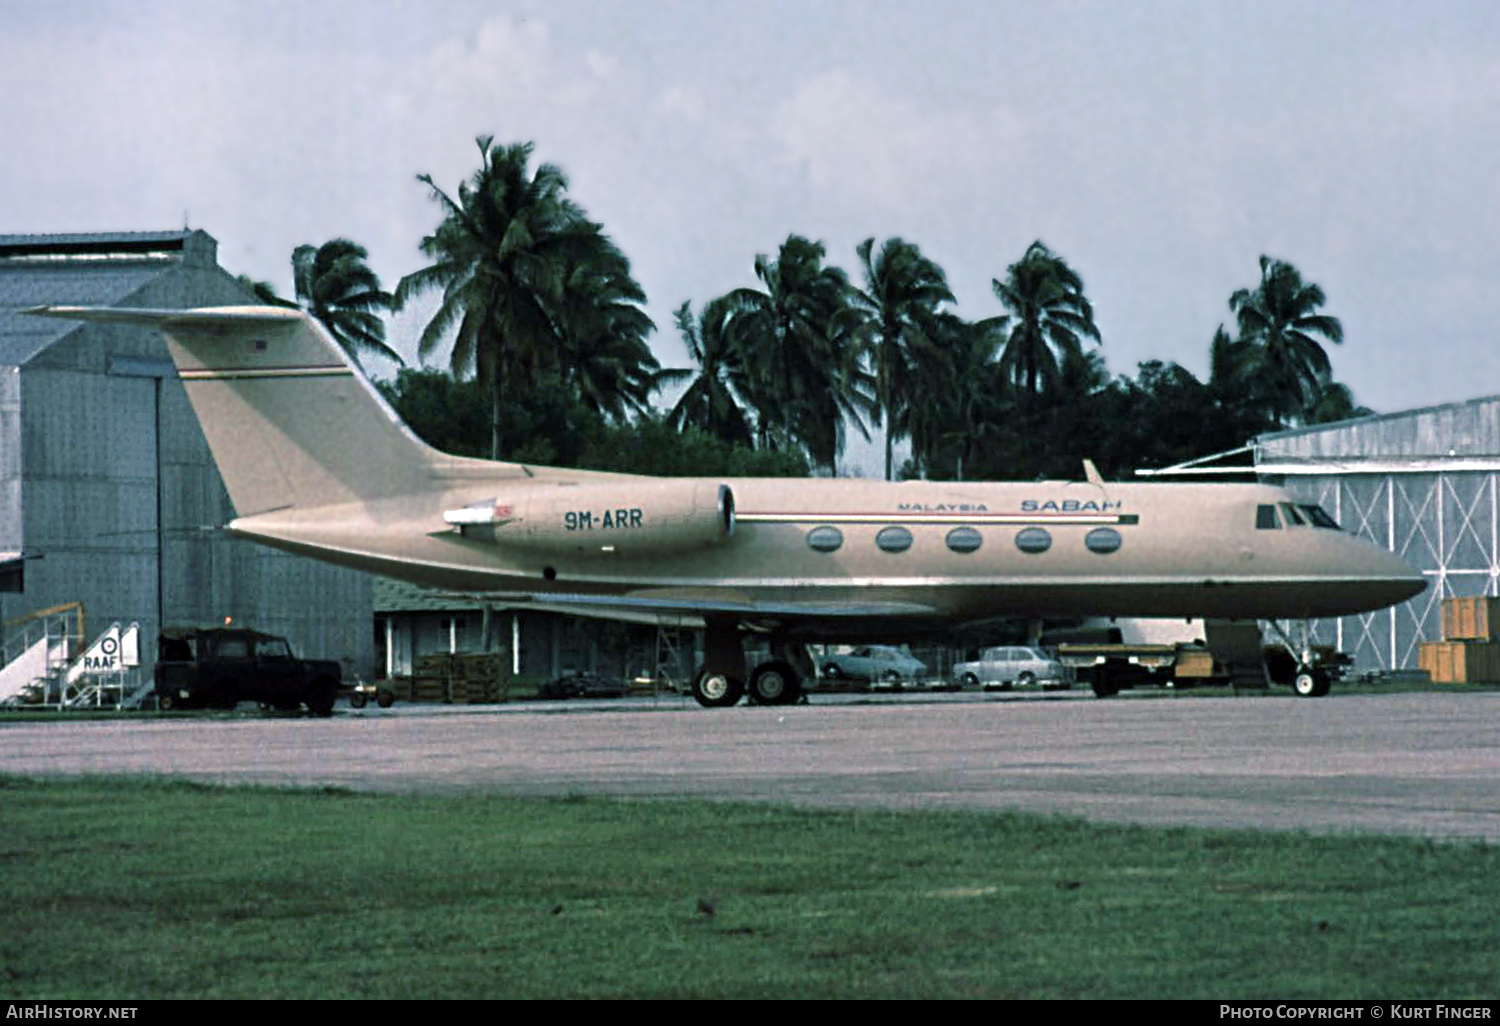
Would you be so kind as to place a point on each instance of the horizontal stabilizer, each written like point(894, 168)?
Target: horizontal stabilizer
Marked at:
point(291, 421)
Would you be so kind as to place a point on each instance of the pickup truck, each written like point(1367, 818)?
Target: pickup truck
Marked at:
point(218, 668)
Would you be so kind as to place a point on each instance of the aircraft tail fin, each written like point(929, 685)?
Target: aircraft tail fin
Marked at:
point(290, 420)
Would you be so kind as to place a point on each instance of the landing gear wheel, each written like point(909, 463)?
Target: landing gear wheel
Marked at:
point(1311, 683)
point(717, 690)
point(774, 683)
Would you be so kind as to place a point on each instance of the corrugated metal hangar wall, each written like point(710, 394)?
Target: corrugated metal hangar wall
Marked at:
point(106, 484)
point(1423, 483)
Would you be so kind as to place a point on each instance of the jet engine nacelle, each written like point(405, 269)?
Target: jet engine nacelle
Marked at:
point(635, 518)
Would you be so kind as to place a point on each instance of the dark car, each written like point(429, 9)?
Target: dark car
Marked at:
point(583, 685)
point(217, 668)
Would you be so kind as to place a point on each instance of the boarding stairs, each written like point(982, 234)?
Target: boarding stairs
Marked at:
point(35, 650)
point(39, 668)
point(107, 675)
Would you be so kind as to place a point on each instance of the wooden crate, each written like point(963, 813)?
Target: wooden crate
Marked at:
point(1194, 665)
point(1471, 619)
point(463, 677)
point(1460, 662)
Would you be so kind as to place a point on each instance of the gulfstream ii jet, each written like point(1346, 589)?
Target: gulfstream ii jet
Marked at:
point(317, 463)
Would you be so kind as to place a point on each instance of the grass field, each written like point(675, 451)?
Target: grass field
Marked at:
point(152, 889)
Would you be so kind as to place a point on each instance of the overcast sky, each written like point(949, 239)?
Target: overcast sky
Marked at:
point(1160, 147)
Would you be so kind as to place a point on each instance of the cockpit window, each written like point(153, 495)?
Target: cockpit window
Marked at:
point(1319, 518)
point(1292, 515)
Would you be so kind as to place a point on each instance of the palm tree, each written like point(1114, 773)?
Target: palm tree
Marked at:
point(264, 291)
point(1232, 382)
point(335, 284)
point(1335, 402)
point(956, 409)
point(1278, 320)
point(604, 357)
point(901, 299)
point(799, 349)
point(714, 400)
point(1051, 317)
point(502, 257)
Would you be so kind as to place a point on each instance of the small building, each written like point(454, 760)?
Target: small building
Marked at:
point(544, 644)
point(109, 496)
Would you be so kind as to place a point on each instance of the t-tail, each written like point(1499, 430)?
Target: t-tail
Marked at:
point(292, 423)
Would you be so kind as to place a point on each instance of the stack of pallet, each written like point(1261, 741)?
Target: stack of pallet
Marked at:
point(1470, 650)
point(470, 677)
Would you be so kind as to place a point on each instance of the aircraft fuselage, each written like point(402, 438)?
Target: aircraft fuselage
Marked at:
point(921, 553)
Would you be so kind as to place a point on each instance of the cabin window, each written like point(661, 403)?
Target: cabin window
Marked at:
point(1265, 518)
point(893, 539)
point(1103, 540)
point(825, 539)
point(232, 648)
point(1033, 541)
point(964, 540)
point(1319, 518)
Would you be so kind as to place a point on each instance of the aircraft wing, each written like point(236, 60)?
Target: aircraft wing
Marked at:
point(690, 608)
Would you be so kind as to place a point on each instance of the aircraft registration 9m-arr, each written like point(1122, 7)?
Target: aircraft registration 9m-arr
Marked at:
point(317, 463)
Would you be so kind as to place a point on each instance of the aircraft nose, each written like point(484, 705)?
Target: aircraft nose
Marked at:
point(1397, 579)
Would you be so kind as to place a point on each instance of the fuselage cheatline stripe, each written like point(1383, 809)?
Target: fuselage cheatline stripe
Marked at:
point(931, 518)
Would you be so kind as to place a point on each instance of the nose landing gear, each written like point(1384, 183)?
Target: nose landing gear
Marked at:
point(1312, 679)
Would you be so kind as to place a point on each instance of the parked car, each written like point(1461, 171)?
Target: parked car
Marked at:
point(583, 685)
point(1011, 665)
point(874, 663)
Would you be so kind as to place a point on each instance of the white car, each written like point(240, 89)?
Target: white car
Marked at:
point(874, 663)
point(1009, 665)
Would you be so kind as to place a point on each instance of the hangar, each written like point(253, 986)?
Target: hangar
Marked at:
point(1424, 483)
point(109, 499)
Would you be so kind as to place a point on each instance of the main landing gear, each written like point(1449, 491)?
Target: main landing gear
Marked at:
point(722, 681)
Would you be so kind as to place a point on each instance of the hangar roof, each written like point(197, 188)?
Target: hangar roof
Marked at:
point(1449, 438)
point(393, 596)
point(1454, 435)
point(81, 270)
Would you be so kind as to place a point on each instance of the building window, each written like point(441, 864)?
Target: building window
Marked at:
point(825, 539)
point(893, 539)
point(964, 539)
point(1103, 540)
point(1033, 540)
